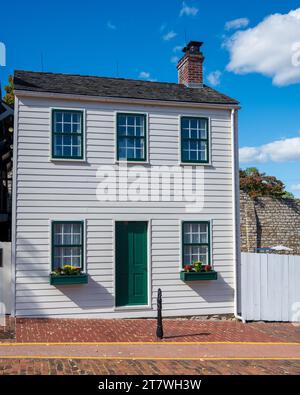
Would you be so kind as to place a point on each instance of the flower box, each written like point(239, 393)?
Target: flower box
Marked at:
point(198, 276)
point(68, 279)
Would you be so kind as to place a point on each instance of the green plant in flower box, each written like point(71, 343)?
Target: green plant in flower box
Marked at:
point(67, 270)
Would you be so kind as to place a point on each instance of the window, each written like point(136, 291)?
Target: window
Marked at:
point(131, 137)
point(67, 244)
point(194, 140)
point(196, 242)
point(67, 134)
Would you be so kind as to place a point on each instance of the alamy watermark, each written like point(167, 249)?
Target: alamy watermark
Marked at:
point(122, 183)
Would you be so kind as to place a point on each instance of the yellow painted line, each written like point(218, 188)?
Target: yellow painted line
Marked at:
point(143, 343)
point(76, 357)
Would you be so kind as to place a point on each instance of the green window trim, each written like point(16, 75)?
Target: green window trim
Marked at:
point(54, 133)
point(206, 140)
point(208, 244)
point(53, 245)
point(144, 138)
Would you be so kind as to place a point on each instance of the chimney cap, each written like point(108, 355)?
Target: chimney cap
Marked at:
point(193, 47)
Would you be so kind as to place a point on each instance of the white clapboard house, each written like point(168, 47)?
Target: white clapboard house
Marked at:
point(127, 182)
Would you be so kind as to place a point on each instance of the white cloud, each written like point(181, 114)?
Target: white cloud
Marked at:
point(237, 23)
point(168, 36)
point(178, 48)
point(188, 11)
point(174, 59)
point(277, 151)
point(162, 27)
point(295, 187)
point(145, 75)
point(214, 77)
point(111, 26)
point(271, 48)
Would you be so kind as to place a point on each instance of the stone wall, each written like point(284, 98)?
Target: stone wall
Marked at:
point(267, 222)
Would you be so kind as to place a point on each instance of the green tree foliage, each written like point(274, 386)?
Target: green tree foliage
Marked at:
point(259, 184)
point(9, 89)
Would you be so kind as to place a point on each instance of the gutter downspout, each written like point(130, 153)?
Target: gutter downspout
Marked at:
point(236, 214)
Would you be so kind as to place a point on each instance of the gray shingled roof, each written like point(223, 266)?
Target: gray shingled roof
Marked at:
point(116, 87)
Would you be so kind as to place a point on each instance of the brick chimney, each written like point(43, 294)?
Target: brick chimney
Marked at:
point(190, 66)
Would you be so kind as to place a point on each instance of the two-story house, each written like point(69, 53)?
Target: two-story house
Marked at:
point(93, 158)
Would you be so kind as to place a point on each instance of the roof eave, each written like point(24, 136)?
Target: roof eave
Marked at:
point(52, 95)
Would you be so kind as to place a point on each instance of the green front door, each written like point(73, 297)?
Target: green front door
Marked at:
point(131, 263)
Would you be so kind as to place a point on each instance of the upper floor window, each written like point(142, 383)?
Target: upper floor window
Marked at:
point(194, 140)
point(67, 134)
point(131, 137)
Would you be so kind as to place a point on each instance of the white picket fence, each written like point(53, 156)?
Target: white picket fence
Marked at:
point(270, 287)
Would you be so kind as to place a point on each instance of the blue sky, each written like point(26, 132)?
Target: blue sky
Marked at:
point(249, 59)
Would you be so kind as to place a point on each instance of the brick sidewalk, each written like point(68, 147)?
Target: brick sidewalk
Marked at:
point(70, 330)
point(92, 367)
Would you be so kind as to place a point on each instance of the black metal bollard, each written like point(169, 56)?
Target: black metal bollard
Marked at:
point(159, 329)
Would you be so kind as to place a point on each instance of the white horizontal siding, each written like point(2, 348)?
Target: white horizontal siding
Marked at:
point(51, 190)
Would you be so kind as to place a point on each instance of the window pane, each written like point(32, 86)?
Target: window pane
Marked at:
point(139, 120)
point(122, 130)
point(194, 123)
point(58, 258)
point(185, 123)
point(58, 126)
point(58, 233)
point(130, 131)
point(76, 117)
point(203, 151)
point(185, 156)
point(122, 120)
point(130, 153)
point(187, 231)
point(193, 156)
point(67, 151)
point(66, 127)
point(130, 143)
point(139, 153)
point(185, 134)
point(58, 116)
point(203, 124)
point(67, 117)
point(122, 153)
point(130, 120)
point(76, 152)
point(76, 128)
point(194, 134)
point(76, 231)
point(139, 131)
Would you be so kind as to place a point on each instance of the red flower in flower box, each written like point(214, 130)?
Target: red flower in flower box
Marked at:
point(187, 268)
point(207, 268)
